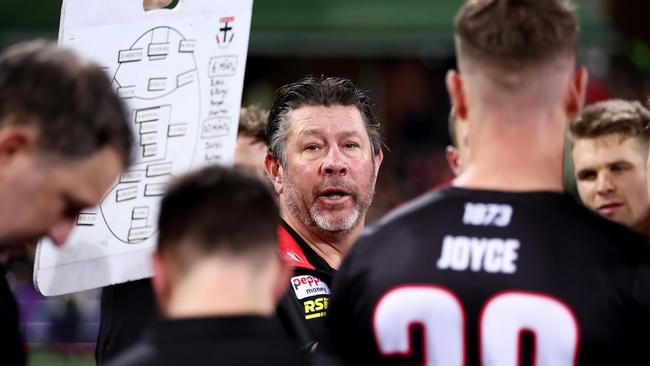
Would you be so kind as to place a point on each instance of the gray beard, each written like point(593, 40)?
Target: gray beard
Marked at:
point(340, 225)
point(316, 220)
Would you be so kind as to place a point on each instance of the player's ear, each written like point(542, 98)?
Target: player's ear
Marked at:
point(274, 171)
point(15, 140)
point(577, 92)
point(453, 159)
point(457, 97)
point(161, 280)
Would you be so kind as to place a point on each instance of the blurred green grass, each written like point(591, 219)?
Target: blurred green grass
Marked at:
point(46, 357)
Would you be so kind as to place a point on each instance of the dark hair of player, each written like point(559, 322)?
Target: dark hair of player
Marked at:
point(69, 100)
point(217, 210)
point(628, 118)
point(252, 122)
point(514, 34)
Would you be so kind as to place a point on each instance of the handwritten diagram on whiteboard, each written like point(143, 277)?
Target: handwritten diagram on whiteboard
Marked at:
point(181, 75)
point(166, 132)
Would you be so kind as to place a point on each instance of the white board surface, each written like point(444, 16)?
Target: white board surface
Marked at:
point(181, 74)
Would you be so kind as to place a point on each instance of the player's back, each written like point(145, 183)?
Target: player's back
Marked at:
point(481, 277)
point(247, 340)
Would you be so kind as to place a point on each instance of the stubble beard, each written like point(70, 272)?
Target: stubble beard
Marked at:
point(312, 217)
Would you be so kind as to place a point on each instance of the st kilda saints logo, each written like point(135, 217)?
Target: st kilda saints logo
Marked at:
point(226, 32)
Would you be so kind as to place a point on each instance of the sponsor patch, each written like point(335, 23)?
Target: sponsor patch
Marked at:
point(316, 308)
point(307, 286)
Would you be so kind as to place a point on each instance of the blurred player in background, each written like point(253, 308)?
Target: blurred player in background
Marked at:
point(250, 149)
point(64, 139)
point(217, 276)
point(610, 151)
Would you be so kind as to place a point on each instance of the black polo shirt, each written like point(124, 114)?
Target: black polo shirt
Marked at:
point(12, 347)
point(233, 341)
point(303, 309)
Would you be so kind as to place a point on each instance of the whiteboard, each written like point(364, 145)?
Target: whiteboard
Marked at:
point(181, 73)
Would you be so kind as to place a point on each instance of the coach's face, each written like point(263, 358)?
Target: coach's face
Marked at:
point(328, 180)
point(42, 195)
point(611, 176)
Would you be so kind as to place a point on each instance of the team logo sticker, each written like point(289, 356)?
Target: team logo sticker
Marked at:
point(293, 256)
point(226, 32)
point(306, 286)
point(316, 308)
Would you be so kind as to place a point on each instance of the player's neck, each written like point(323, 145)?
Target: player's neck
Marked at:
point(332, 247)
point(515, 156)
point(219, 289)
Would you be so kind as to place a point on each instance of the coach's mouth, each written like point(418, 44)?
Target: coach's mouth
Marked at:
point(334, 195)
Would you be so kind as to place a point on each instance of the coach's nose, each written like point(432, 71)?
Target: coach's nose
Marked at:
point(334, 162)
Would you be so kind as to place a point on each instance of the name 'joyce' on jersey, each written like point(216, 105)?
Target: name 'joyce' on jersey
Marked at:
point(491, 255)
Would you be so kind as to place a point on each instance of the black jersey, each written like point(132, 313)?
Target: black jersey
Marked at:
point(12, 347)
point(224, 341)
point(126, 310)
point(471, 277)
point(304, 308)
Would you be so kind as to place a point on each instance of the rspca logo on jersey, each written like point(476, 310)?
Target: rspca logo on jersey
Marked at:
point(306, 286)
point(316, 308)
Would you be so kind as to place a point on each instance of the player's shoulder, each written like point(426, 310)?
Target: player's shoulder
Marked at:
point(142, 353)
point(571, 222)
point(405, 221)
point(432, 209)
point(609, 231)
point(554, 213)
point(423, 205)
point(586, 220)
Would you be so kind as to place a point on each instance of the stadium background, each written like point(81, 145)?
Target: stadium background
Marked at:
point(399, 50)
